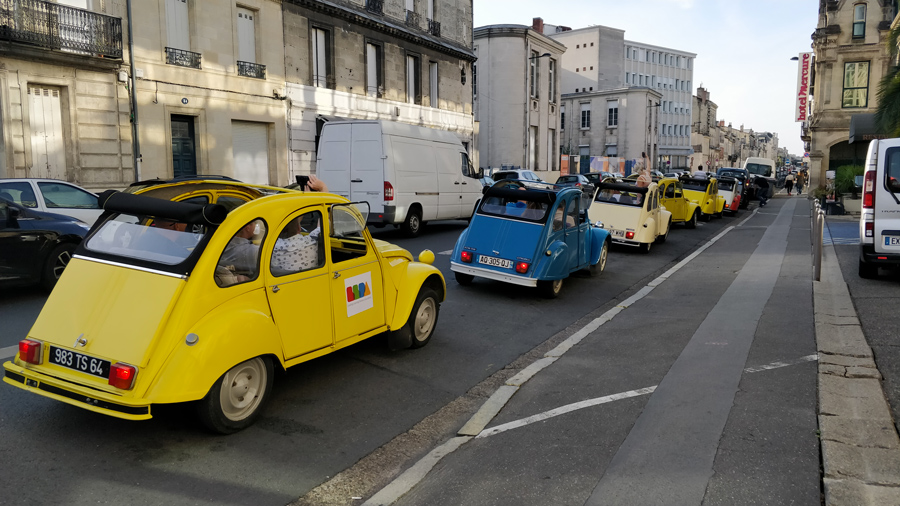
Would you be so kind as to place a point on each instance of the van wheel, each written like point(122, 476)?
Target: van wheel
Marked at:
point(867, 270)
point(57, 261)
point(235, 400)
point(550, 289)
point(463, 279)
point(412, 225)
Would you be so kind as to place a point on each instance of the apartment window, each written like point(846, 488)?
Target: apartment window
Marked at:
point(533, 74)
point(856, 84)
point(413, 81)
point(585, 116)
point(433, 83)
point(562, 117)
point(177, 27)
point(551, 76)
point(592, 44)
point(374, 74)
point(474, 81)
point(532, 148)
point(612, 113)
point(859, 21)
point(552, 154)
point(654, 57)
point(321, 58)
point(633, 78)
point(627, 78)
point(653, 80)
point(663, 129)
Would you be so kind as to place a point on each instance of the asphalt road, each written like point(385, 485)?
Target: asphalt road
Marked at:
point(325, 415)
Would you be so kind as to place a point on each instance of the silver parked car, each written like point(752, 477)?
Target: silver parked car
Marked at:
point(52, 196)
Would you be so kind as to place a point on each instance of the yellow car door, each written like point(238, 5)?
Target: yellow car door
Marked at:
point(297, 281)
point(357, 289)
point(673, 200)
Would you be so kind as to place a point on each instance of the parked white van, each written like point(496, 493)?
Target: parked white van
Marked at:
point(408, 174)
point(764, 167)
point(879, 221)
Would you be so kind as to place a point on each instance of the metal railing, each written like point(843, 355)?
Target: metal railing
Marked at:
point(54, 26)
point(248, 69)
point(182, 58)
point(412, 18)
point(375, 6)
point(434, 27)
point(817, 236)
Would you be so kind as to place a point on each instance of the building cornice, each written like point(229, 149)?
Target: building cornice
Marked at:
point(519, 31)
point(385, 25)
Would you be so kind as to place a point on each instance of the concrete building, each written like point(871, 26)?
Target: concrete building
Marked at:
point(64, 112)
point(517, 98)
point(850, 60)
point(210, 89)
point(671, 72)
point(705, 133)
point(400, 60)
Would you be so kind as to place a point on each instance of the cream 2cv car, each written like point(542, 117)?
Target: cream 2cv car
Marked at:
point(632, 214)
point(168, 302)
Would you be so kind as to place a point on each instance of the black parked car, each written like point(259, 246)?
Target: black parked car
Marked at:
point(35, 246)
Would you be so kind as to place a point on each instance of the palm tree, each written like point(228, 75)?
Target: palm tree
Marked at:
point(887, 116)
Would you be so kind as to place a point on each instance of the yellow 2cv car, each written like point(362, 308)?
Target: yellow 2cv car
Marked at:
point(169, 302)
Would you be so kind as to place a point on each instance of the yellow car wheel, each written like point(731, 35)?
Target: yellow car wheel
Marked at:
point(236, 399)
point(423, 318)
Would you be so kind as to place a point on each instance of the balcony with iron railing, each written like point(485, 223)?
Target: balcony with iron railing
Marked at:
point(182, 58)
point(248, 69)
point(412, 19)
point(434, 27)
point(375, 6)
point(52, 26)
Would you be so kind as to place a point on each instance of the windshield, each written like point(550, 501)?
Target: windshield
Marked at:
point(726, 185)
point(156, 240)
point(516, 209)
point(759, 169)
point(696, 185)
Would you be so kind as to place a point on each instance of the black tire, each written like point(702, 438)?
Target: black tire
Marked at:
point(867, 270)
point(662, 238)
point(645, 247)
point(56, 262)
point(423, 317)
point(550, 289)
point(598, 268)
point(463, 279)
point(704, 217)
point(692, 223)
point(412, 225)
point(236, 399)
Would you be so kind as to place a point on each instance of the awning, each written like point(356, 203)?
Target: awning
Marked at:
point(864, 129)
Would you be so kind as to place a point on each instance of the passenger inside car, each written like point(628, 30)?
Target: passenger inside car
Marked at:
point(299, 246)
point(241, 255)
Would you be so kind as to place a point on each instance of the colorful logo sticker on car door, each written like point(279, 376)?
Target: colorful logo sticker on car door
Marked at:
point(359, 293)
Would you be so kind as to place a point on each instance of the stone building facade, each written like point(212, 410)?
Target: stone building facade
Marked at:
point(850, 60)
point(64, 112)
point(400, 60)
point(517, 98)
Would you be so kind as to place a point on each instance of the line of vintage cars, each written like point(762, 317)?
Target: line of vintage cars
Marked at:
point(197, 291)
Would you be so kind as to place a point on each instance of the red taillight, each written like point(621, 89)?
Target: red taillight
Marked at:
point(122, 375)
point(869, 190)
point(870, 229)
point(629, 235)
point(466, 256)
point(388, 191)
point(30, 351)
point(522, 267)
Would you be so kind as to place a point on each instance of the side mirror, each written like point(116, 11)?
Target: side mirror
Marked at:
point(480, 172)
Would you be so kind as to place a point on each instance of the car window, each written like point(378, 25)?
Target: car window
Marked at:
point(19, 192)
point(670, 191)
point(4, 214)
point(57, 195)
point(239, 262)
point(516, 209)
point(892, 172)
point(300, 246)
point(157, 240)
point(572, 214)
point(200, 199)
point(347, 224)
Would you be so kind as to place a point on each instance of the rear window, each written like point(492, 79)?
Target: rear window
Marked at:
point(515, 209)
point(892, 172)
point(726, 185)
point(149, 239)
point(620, 197)
point(695, 185)
point(758, 168)
point(505, 175)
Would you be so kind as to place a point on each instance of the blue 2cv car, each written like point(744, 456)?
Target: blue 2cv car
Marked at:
point(530, 237)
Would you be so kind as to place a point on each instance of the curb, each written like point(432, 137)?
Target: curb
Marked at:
point(859, 444)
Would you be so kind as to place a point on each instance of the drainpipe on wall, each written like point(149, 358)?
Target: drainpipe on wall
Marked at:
point(136, 141)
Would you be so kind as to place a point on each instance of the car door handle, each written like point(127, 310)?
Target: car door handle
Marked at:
point(456, 182)
point(356, 180)
point(275, 289)
point(337, 275)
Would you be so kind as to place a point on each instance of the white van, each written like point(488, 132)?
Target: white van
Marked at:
point(764, 167)
point(408, 174)
point(879, 221)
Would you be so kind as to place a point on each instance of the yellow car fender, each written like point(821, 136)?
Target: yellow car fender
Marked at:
point(720, 204)
point(238, 330)
point(415, 275)
point(691, 208)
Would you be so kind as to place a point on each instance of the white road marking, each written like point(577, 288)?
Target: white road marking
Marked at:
point(616, 397)
point(448, 252)
point(8, 352)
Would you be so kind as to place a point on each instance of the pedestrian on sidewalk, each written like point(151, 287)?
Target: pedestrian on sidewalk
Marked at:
point(801, 179)
point(789, 182)
point(762, 190)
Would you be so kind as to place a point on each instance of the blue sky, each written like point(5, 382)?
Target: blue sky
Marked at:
point(743, 47)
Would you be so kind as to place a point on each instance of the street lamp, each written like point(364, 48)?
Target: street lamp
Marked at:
point(541, 56)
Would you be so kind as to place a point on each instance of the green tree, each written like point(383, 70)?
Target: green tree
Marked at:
point(887, 116)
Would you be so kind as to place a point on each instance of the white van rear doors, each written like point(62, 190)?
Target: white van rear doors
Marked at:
point(333, 158)
point(887, 200)
point(367, 166)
